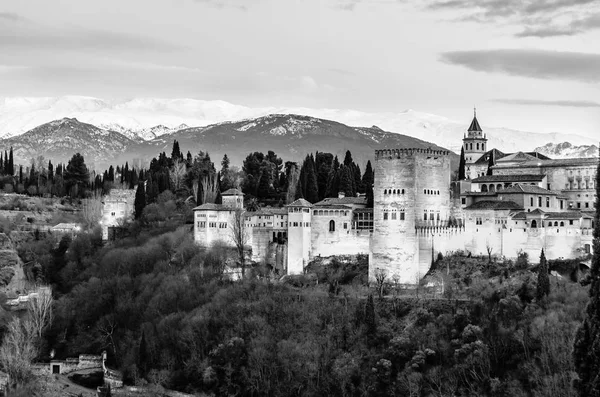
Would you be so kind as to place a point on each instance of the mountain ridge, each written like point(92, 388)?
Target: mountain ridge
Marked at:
point(138, 118)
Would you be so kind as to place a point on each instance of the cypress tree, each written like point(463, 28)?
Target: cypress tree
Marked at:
point(586, 352)
point(2, 170)
point(312, 189)
point(111, 174)
point(461, 165)
point(140, 200)
point(543, 281)
point(20, 174)
point(176, 153)
point(143, 354)
point(5, 162)
point(50, 171)
point(11, 163)
point(367, 181)
point(491, 163)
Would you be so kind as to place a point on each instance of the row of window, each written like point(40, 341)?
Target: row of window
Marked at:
point(330, 212)
point(393, 191)
point(393, 215)
point(300, 224)
point(220, 225)
point(428, 191)
point(469, 146)
point(431, 215)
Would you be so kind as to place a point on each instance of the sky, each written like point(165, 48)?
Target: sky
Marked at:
point(525, 64)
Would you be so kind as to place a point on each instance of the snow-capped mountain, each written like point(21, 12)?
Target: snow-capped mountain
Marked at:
point(292, 137)
point(567, 150)
point(146, 118)
point(59, 140)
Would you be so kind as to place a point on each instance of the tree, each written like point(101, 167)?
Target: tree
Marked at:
point(586, 352)
point(140, 200)
point(177, 172)
point(370, 316)
point(461, 165)
point(176, 152)
point(491, 163)
point(226, 180)
point(239, 237)
point(543, 281)
point(76, 174)
point(91, 210)
point(18, 349)
point(11, 163)
point(368, 180)
point(40, 311)
point(380, 279)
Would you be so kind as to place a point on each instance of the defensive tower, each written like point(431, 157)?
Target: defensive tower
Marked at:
point(411, 192)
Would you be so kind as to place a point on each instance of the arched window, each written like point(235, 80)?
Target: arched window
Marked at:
point(556, 223)
point(499, 187)
point(402, 191)
point(484, 188)
point(331, 226)
point(384, 191)
point(477, 146)
point(394, 191)
point(534, 223)
point(424, 191)
point(492, 188)
point(562, 223)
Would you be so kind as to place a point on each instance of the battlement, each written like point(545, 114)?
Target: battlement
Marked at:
point(407, 152)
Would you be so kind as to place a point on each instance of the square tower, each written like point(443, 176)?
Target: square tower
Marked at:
point(474, 142)
point(411, 192)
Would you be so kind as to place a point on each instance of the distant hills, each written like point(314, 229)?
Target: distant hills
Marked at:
point(567, 150)
point(290, 136)
point(144, 119)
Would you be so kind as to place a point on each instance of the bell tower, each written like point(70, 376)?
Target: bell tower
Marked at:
point(474, 141)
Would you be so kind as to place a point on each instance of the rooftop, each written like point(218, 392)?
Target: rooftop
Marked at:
point(342, 201)
point(213, 207)
point(519, 156)
point(300, 203)
point(495, 205)
point(539, 162)
point(333, 206)
point(474, 125)
point(510, 178)
point(268, 211)
point(232, 192)
point(531, 189)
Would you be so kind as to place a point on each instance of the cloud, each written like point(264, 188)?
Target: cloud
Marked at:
point(562, 103)
point(239, 4)
point(534, 18)
point(11, 16)
point(538, 64)
point(36, 36)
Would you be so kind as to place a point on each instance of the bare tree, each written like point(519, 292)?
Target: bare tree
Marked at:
point(209, 188)
point(18, 349)
point(380, 279)
point(489, 249)
point(177, 173)
point(239, 236)
point(40, 310)
point(91, 210)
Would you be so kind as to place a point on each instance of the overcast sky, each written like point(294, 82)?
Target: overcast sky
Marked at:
point(526, 64)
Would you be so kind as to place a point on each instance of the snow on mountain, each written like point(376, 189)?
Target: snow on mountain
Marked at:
point(148, 118)
point(567, 150)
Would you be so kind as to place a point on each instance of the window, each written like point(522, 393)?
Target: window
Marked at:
point(531, 201)
point(477, 145)
point(463, 200)
point(539, 201)
point(534, 224)
point(578, 205)
point(345, 225)
point(402, 215)
point(201, 224)
point(587, 205)
point(571, 222)
point(431, 216)
point(562, 223)
point(438, 216)
point(561, 204)
point(295, 224)
point(425, 215)
point(478, 221)
point(393, 216)
point(548, 186)
point(548, 202)
point(331, 226)
point(402, 191)
point(212, 224)
point(385, 216)
point(384, 191)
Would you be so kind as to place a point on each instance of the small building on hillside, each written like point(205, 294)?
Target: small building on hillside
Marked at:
point(117, 208)
point(66, 228)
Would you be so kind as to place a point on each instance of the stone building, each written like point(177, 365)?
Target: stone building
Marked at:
point(117, 207)
point(528, 203)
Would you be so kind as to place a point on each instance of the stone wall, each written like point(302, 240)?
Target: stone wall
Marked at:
point(342, 240)
point(409, 183)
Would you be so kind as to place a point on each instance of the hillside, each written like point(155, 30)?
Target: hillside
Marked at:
point(567, 150)
point(290, 136)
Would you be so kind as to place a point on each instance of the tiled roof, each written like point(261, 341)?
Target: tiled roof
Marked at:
point(563, 215)
point(232, 192)
point(364, 210)
point(510, 178)
point(474, 125)
point(520, 215)
point(519, 156)
point(333, 206)
point(269, 211)
point(485, 158)
point(342, 201)
point(479, 193)
point(213, 207)
point(536, 163)
point(495, 205)
point(300, 203)
point(519, 189)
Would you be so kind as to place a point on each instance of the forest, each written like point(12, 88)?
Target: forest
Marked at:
point(169, 318)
